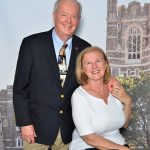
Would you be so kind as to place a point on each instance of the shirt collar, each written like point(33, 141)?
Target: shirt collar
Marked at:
point(59, 42)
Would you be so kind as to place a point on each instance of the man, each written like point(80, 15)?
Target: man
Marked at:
point(42, 106)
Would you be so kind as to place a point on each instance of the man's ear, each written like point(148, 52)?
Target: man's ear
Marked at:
point(53, 16)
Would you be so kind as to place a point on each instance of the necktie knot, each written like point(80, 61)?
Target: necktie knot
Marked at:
point(62, 50)
point(65, 45)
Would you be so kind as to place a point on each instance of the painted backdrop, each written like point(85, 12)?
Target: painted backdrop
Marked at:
point(19, 19)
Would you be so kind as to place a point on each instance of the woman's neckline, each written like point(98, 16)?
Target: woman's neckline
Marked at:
point(95, 96)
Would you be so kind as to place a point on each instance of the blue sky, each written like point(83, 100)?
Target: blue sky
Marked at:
point(22, 18)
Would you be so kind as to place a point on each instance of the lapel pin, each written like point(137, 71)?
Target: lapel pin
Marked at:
point(76, 48)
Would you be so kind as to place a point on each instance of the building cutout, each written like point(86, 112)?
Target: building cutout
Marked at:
point(128, 38)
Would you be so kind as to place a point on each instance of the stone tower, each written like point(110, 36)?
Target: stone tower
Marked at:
point(128, 38)
point(9, 133)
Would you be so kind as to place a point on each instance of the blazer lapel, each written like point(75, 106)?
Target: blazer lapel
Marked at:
point(50, 53)
point(72, 63)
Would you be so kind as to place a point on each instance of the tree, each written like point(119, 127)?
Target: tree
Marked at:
point(138, 132)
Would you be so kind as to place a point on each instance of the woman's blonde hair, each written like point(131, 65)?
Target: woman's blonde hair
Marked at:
point(81, 76)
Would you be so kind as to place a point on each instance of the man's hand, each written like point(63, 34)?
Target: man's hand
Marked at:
point(121, 94)
point(113, 82)
point(28, 133)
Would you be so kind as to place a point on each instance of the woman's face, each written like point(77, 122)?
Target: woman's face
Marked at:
point(94, 65)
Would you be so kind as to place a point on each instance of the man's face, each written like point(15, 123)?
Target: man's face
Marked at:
point(66, 19)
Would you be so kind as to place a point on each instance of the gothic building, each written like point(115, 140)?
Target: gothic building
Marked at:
point(128, 38)
point(9, 133)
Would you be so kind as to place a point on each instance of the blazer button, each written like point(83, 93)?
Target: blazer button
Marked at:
point(61, 111)
point(62, 96)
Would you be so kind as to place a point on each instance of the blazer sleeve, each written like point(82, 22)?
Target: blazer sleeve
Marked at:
point(21, 84)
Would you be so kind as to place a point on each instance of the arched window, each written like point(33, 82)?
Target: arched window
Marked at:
point(19, 142)
point(134, 56)
point(129, 56)
point(134, 43)
point(138, 56)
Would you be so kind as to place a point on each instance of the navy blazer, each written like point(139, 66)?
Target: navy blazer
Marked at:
point(38, 96)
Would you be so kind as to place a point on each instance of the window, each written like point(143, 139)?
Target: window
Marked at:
point(128, 72)
point(115, 71)
point(134, 44)
point(19, 142)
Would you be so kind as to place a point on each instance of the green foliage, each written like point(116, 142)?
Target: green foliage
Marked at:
point(129, 83)
point(138, 132)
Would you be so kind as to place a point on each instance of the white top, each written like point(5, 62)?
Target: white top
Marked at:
point(93, 115)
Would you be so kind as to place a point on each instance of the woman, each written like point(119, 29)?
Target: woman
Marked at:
point(98, 111)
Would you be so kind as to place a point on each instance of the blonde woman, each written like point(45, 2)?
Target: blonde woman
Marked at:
point(98, 112)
